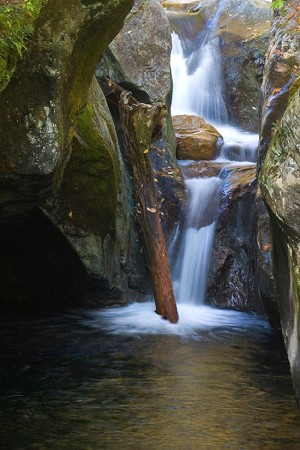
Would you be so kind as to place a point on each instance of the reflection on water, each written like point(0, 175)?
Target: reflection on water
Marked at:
point(67, 383)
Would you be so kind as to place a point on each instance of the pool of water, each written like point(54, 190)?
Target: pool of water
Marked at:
point(126, 379)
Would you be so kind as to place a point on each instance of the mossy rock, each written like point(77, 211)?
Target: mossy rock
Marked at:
point(91, 179)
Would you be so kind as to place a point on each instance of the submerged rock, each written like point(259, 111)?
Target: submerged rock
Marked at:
point(196, 139)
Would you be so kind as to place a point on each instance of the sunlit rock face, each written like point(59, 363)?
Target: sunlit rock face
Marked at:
point(40, 105)
point(280, 170)
point(196, 139)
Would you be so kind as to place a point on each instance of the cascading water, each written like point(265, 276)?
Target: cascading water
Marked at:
point(197, 81)
point(198, 86)
point(197, 76)
point(192, 262)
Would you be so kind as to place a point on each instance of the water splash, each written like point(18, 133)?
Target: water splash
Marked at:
point(139, 319)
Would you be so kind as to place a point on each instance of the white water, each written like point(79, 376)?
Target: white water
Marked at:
point(139, 319)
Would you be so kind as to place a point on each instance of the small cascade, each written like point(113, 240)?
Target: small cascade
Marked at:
point(197, 78)
point(192, 262)
point(198, 83)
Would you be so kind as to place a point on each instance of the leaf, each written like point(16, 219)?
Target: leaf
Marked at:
point(146, 150)
point(266, 247)
point(152, 210)
point(70, 215)
point(275, 91)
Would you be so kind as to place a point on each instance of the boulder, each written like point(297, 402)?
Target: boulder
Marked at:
point(196, 139)
point(71, 252)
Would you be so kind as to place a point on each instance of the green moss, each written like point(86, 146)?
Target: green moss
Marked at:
point(91, 179)
point(16, 27)
point(294, 88)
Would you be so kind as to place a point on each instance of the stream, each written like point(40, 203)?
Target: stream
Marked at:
point(124, 378)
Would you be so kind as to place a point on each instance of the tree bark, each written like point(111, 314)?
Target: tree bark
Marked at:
point(138, 122)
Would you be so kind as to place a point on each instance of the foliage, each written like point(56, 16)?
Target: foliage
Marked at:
point(16, 26)
point(277, 4)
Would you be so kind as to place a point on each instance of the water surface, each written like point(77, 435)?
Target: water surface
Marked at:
point(86, 380)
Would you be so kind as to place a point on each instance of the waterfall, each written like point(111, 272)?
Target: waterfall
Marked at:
point(198, 83)
point(198, 89)
point(192, 262)
point(197, 77)
point(196, 66)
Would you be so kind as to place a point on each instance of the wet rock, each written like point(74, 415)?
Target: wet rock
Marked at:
point(232, 274)
point(202, 169)
point(196, 139)
point(266, 281)
point(281, 73)
point(244, 31)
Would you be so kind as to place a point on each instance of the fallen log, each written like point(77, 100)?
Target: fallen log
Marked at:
point(138, 123)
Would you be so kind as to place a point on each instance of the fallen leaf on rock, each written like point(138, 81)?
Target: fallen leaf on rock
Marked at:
point(266, 247)
point(152, 210)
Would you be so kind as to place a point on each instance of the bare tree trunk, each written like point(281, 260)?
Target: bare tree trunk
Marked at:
point(138, 122)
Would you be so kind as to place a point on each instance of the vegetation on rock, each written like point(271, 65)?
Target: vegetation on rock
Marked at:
point(16, 26)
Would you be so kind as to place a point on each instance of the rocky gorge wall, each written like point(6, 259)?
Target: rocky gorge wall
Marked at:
point(70, 251)
point(279, 170)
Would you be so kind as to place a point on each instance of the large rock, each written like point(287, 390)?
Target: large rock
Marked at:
point(91, 207)
point(232, 274)
point(280, 173)
point(81, 259)
point(40, 105)
point(139, 57)
point(196, 139)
